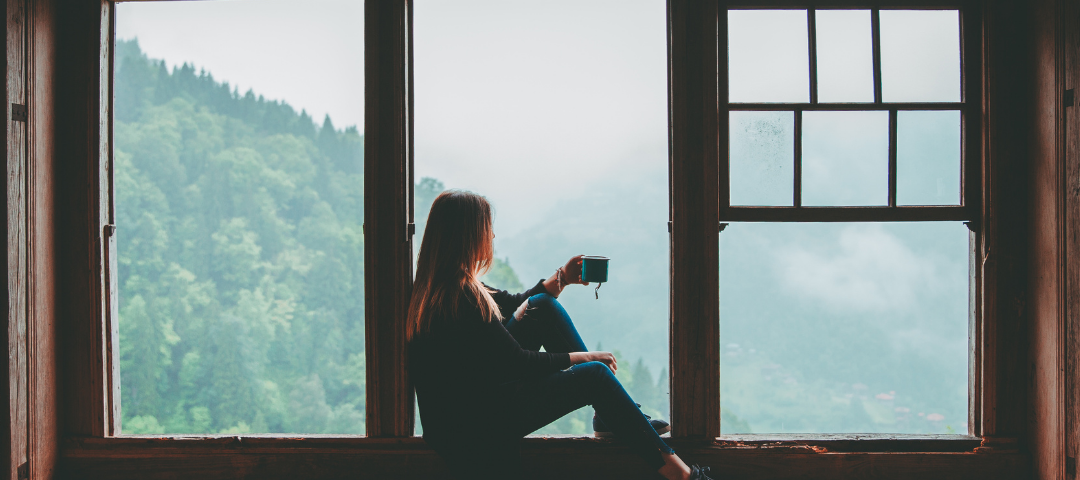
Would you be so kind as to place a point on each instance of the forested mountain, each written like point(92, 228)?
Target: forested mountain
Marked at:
point(240, 258)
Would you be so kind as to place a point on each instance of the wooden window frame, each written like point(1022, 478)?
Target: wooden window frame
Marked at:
point(698, 134)
point(971, 186)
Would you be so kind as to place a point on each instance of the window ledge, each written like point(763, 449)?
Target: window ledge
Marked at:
point(805, 443)
point(811, 457)
point(838, 443)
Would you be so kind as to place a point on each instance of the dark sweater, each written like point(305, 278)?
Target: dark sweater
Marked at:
point(460, 366)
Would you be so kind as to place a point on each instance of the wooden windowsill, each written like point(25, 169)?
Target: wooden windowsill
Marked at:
point(815, 457)
point(265, 443)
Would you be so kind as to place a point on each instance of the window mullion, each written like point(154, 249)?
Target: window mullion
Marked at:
point(892, 157)
point(797, 174)
point(387, 250)
point(811, 29)
point(875, 29)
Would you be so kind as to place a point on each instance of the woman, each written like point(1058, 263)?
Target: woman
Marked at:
point(479, 391)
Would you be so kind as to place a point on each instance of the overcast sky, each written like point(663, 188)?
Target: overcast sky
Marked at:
point(311, 57)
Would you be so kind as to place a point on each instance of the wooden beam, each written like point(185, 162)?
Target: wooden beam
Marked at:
point(696, 192)
point(83, 49)
point(44, 395)
point(1002, 233)
point(839, 107)
point(387, 245)
point(846, 214)
point(848, 4)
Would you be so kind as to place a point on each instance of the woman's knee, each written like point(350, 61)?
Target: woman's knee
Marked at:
point(595, 369)
point(542, 301)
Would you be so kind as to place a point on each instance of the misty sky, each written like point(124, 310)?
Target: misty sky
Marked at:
point(312, 57)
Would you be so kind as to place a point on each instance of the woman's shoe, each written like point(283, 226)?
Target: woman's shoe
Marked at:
point(601, 430)
point(698, 473)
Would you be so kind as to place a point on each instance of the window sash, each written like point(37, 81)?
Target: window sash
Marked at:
point(967, 211)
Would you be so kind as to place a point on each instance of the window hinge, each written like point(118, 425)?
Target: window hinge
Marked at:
point(411, 229)
point(1070, 467)
point(972, 225)
point(24, 470)
point(669, 226)
point(18, 112)
point(109, 230)
point(1069, 98)
point(723, 226)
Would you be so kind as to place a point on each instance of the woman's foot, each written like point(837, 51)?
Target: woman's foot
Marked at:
point(698, 473)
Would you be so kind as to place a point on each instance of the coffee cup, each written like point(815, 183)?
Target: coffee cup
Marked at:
point(594, 268)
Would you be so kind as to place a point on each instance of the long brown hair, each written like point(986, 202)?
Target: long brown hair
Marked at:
point(455, 251)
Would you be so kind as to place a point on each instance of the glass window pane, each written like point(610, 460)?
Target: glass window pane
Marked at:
point(845, 158)
point(571, 151)
point(762, 159)
point(768, 59)
point(844, 328)
point(239, 204)
point(920, 55)
point(845, 56)
point(928, 158)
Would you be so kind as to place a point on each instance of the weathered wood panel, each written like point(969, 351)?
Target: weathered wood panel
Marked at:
point(1070, 44)
point(696, 133)
point(16, 179)
point(387, 244)
point(1070, 21)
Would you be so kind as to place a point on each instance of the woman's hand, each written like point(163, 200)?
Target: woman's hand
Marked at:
point(565, 275)
point(572, 271)
point(603, 357)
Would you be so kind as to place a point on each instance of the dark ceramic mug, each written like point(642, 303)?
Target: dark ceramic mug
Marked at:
point(594, 269)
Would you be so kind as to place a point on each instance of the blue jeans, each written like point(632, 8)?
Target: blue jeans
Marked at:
point(541, 400)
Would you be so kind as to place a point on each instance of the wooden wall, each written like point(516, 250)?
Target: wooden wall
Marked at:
point(58, 361)
point(31, 429)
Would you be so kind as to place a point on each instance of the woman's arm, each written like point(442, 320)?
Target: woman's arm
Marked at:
point(501, 351)
point(565, 275)
point(606, 357)
point(508, 302)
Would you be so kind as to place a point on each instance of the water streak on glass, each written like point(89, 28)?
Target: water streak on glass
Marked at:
point(844, 328)
point(928, 158)
point(845, 57)
point(239, 204)
point(560, 120)
point(920, 55)
point(845, 158)
point(768, 56)
point(762, 158)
